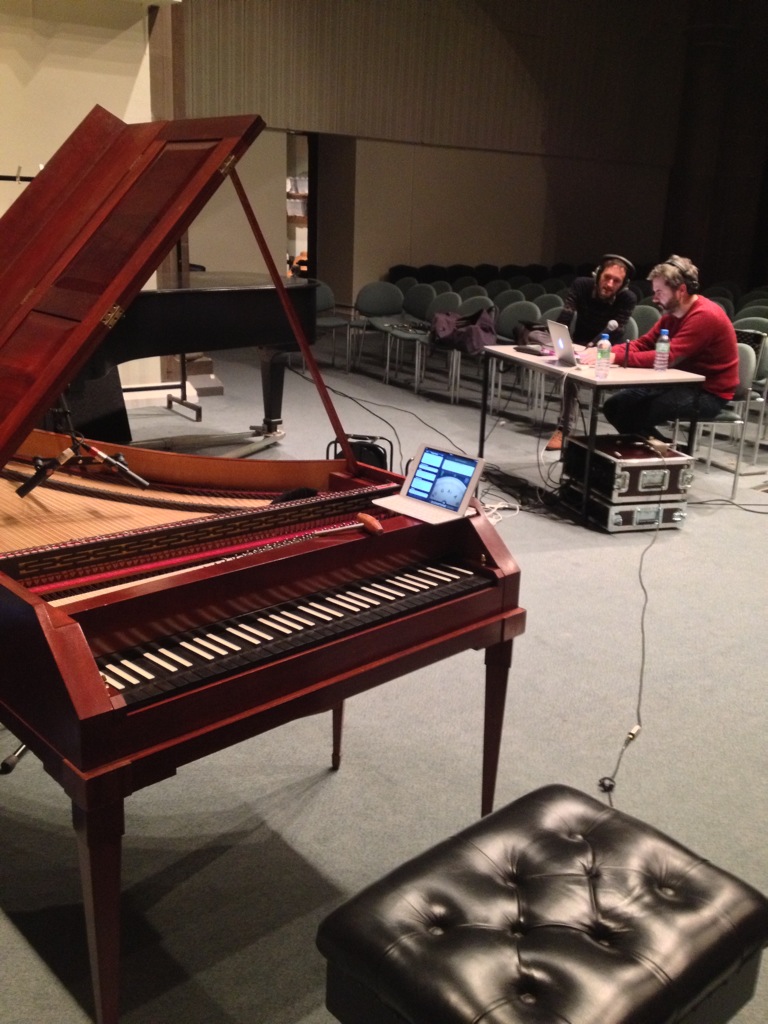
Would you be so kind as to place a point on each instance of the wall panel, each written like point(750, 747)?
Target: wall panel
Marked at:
point(483, 130)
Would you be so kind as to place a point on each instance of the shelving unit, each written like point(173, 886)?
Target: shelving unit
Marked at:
point(296, 196)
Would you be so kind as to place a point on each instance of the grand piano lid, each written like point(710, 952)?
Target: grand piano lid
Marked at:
point(85, 236)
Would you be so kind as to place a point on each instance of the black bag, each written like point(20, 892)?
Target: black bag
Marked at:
point(468, 333)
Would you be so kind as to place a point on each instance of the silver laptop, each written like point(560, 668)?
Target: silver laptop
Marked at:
point(562, 343)
point(438, 487)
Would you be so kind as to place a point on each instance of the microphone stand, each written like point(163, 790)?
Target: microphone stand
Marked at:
point(45, 467)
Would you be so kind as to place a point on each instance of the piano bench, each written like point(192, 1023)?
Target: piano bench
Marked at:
point(556, 908)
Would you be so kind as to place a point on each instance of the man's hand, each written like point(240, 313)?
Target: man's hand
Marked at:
point(588, 357)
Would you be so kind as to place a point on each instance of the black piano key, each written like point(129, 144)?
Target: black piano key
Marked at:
point(247, 640)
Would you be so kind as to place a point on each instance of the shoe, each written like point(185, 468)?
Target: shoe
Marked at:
point(555, 443)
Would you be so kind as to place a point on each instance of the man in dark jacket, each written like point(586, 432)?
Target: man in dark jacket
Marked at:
point(600, 303)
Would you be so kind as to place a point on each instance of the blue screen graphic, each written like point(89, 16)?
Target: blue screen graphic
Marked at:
point(441, 478)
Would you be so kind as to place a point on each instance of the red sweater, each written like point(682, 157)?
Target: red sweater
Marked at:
point(703, 341)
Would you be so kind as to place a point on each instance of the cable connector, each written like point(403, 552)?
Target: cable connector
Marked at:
point(633, 733)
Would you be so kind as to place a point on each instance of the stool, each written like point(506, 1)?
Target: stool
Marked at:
point(556, 909)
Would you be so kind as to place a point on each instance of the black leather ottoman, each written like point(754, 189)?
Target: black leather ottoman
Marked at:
point(555, 909)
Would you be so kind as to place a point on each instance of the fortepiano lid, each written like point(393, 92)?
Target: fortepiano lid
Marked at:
point(85, 236)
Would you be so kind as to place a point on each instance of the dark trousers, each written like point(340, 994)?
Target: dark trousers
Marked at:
point(640, 410)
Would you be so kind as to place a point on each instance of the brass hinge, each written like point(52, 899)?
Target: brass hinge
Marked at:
point(112, 315)
point(228, 164)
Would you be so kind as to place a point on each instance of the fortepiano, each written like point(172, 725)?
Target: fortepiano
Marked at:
point(141, 630)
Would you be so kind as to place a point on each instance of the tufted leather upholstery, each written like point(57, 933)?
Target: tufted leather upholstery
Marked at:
point(554, 910)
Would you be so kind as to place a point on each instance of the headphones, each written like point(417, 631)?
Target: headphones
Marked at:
point(612, 257)
point(690, 280)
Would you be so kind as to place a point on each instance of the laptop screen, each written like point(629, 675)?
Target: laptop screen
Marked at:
point(441, 478)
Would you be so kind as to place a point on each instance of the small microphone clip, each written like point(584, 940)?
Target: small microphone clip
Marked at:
point(43, 469)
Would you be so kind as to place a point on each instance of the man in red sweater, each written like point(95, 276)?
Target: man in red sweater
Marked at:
point(702, 340)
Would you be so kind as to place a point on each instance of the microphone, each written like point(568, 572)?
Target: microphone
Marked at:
point(118, 463)
point(610, 326)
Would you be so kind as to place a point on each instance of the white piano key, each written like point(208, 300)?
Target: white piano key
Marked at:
point(223, 642)
point(405, 585)
point(358, 600)
point(274, 626)
point(256, 632)
point(439, 574)
point(350, 606)
point(300, 620)
point(161, 662)
point(216, 648)
point(197, 650)
point(323, 607)
point(115, 683)
point(243, 636)
point(176, 657)
point(136, 668)
point(458, 570)
point(315, 613)
point(369, 602)
point(282, 620)
point(420, 579)
point(115, 670)
point(386, 592)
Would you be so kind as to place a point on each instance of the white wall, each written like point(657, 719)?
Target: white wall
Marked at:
point(58, 59)
point(429, 204)
point(494, 130)
point(220, 237)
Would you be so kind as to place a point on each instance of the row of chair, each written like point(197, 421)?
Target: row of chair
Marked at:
point(755, 305)
point(402, 321)
point(482, 273)
point(536, 273)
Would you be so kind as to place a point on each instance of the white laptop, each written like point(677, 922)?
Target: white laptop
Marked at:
point(438, 487)
point(562, 343)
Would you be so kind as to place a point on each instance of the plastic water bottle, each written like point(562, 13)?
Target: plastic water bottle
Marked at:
point(661, 359)
point(603, 360)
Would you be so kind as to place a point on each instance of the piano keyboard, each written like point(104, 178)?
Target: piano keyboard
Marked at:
point(202, 655)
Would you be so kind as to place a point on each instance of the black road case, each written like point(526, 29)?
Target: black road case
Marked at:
point(633, 484)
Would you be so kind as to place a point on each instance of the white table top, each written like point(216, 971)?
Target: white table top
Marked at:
point(618, 376)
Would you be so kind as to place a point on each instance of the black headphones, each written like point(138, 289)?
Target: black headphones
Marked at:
point(612, 257)
point(690, 280)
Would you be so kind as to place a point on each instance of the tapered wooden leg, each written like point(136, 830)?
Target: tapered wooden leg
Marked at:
point(99, 837)
point(497, 662)
point(338, 724)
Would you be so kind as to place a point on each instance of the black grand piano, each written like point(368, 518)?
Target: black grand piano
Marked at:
point(208, 311)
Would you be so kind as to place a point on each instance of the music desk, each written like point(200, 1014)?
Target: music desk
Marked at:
point(584, 376)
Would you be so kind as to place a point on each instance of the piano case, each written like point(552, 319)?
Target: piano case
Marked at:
point(628, 470)
point(626, 517)
point(75, 249)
